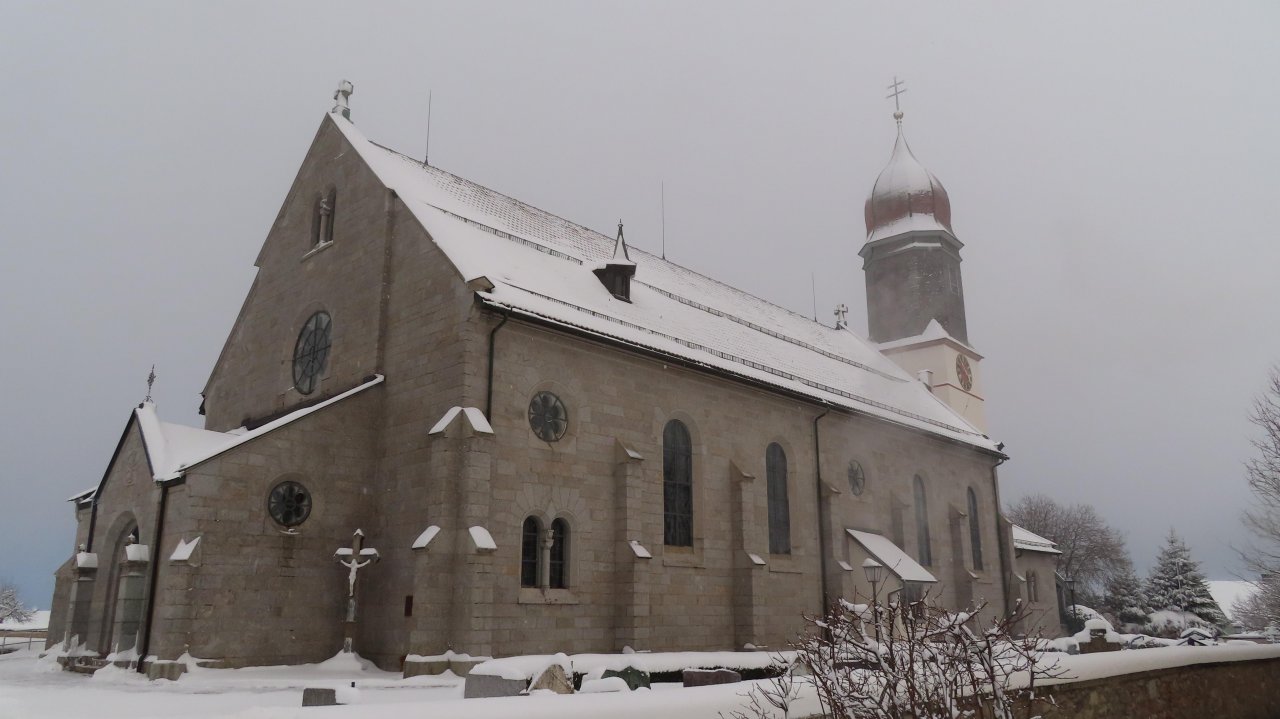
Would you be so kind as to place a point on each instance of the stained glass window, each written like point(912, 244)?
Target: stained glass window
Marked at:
point(289, 504)
point(677, 485)
point(559, 554)
point(975, 531)
point(529, 552)
point(548, 416)
point(775, 467)
point(922, 523)
point(857, 477)
point(311, 352)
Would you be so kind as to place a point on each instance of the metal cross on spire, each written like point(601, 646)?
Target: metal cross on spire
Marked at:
point(151, 380)
point(895, 91)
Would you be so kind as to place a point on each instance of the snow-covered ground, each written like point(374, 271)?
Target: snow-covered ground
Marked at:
point(31, 688)
point(34, 689)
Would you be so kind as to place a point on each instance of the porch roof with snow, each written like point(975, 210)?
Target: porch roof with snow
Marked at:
point(1029, 541)
point(173, 449)
point(538, 266)
point(892, 557)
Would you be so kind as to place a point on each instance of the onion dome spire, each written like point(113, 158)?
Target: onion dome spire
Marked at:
point(906, 196)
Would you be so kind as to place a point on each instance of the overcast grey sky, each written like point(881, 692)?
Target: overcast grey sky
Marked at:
point(1112, 169)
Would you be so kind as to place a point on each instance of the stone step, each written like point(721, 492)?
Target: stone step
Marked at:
point(86, 665)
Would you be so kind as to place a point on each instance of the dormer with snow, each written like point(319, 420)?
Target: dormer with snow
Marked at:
point(616, 272)
point(915, 297)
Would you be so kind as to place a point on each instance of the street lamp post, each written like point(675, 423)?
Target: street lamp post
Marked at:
point(875, 574)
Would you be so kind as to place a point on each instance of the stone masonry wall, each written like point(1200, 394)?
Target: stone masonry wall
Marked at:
point(253, 377)
point(1239, 690)
point(254, 593)
point(432, 356)
point(616, 396)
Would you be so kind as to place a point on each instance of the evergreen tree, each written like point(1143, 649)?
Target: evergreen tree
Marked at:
point(1124, 598)
point(1176, 583)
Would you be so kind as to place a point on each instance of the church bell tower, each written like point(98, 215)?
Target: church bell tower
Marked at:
point(915, 298)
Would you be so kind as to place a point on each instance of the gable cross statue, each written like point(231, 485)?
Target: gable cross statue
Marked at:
point(354, 558)
point(342, 99)
point(842, 315)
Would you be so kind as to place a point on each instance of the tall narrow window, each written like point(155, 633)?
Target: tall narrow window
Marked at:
point(529, 552)
point(559, 553)
point(677, 485)
point(975, 531)
point(775, 468)
point(922, 523)
point(1033, 587)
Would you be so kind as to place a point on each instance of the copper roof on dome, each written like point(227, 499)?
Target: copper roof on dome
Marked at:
point(906, 196)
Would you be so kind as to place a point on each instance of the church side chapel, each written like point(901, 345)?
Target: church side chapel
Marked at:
point(448, 421)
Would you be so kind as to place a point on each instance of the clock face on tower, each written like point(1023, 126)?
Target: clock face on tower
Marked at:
point(964, 372)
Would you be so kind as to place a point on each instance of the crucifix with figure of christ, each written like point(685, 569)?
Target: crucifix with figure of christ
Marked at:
point(354, 558)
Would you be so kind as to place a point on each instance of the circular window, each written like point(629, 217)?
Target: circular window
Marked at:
point(964, 372)
point(548, 417)
point(857, 478)
point(311, 353)
point(289, 504)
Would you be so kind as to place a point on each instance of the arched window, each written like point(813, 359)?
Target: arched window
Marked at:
point(677, 485)
point(975, 531)
point(529, 552)
point(775, 469)
point(559, 553)
point(922, 523)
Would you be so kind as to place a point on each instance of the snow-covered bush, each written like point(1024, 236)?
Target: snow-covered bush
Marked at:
point(913, 659)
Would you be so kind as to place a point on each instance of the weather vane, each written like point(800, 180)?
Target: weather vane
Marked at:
point(895, 91)
point(151, 380)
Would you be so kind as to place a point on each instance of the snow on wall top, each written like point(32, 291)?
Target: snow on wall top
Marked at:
point(1031, 542)
point(892, 557)
point(540, 266)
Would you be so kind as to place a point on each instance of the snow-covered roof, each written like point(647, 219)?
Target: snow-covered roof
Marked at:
point(892, 557)
point(83, 496)
point(933, 332)
point(1029, 541)
point(174, 448)
point(540, 267)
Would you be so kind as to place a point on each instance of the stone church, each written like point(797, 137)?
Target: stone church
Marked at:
point(550, 441)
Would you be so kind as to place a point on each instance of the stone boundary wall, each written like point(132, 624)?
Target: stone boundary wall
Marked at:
point(1240, 689)
point(1237, 689)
